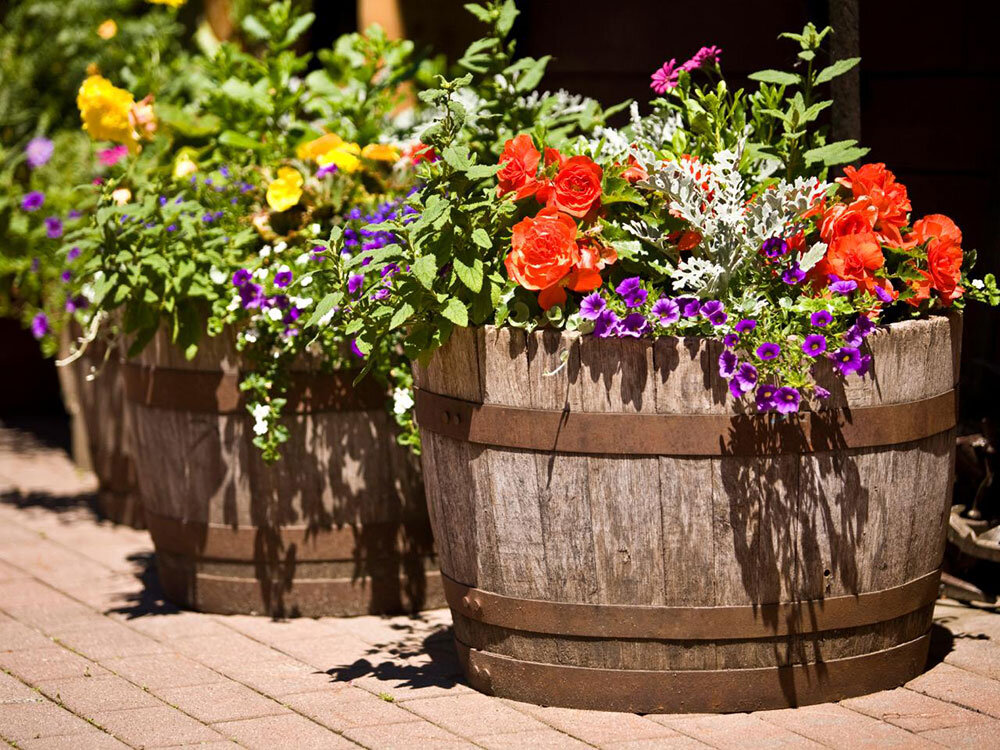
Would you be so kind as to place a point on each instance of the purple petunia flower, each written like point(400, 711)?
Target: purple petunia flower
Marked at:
point(78, 302)
point(765, 397)
point(354, 283)
point(786, 399)
point(66, 276)
point(325, 170)
point(820, 392)
point(606, 324)
point(355, 350)
point(746, 377)
point(814, 344)
point(821, 318)
point(591, 306)
point(730, 340)
point(883, 294)
point(631, 292)
point(634, 325)
point(380, 293)
point(864, 325)
point(241, 277)
point(714, 312)
point(745, 325)
point(73, 254)
point(768, 350)
point(774, 247)
point(172, 228)
point(845, 286)
point(727, 364)
point(251, 296)
point(735, 390)
point(853, 337)
point(690, 307)
point(283, 278)
point(33, 201)
point(793, 275)
point(38, 151)
point(864, 365)
point(667, 311)
point(73, 214)
point(40, 325)
point(53, 227)
point(847, 359)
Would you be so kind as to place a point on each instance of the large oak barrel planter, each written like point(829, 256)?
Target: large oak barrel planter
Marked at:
point(337, 527)
point(97, 408)
point(615, 534)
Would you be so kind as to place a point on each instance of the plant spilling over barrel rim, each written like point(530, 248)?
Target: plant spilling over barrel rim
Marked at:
point(713, 215)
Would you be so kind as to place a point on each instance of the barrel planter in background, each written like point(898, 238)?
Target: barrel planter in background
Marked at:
point(337, 527)
point(100, 430)
point(615, 534)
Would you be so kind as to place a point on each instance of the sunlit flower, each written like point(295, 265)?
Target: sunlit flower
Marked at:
point(380, 152)
point(171, 3)
point(108, 29)
point(33, 201)
point(285, 191)
point(184, 165)
point(121, 196)
point(105, 110)
point(38, 151)
point(343, 156)
point(40, 325)
point(111, 156)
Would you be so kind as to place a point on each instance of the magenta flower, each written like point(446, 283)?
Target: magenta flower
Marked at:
point(745, 325)
point(746, 377)
point(591, 306)
point(283, 278)
point(690, 307)
point(765, 397)
point(730, 340)
point(814, 344)
point(631, 292)
point(847, 359)
point(727, 364)
point(355, 350)
point(793, 275)
point(864, 325)
point(786, 400)
point(774, 247)
point(703, 57)
point(667, 311)
point(606, 324)
point(111, 156)
point(633, 325)
point(354, 283)
point(73, 254)
point(251, 296)
point(820, 392)
point(768, 351)
point(843, 287)
point(78, 302)
point(665, 78)
point(883, 294)
point(241, 277)
point(53, 227)
point(38, 151)
point(33, 201)
point(40, 325)
point(821, 318)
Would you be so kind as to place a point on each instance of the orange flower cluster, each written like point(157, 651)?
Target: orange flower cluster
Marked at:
point(548, 255)
point(875, 216)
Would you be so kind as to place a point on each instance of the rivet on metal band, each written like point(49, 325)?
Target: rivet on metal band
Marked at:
point(692, 623)
point(684, 434)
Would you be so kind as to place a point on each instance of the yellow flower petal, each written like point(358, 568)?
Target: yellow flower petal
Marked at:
point(171, 3)
point(318, 146)
point(285, 191)
point(108, 29)
point(104, 109)
point(380, 152)
point(344, 156)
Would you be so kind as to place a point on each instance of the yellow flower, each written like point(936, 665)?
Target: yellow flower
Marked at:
point(380, 152)
point(105, 110)
point(184, 165)
point(344, 156)
point(171, 3)
point(121, 196)
point(318, 146)
point(285, 191)
point(108, 29)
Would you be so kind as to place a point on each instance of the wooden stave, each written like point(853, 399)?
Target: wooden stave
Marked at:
point(483, 567)
point(244, 496)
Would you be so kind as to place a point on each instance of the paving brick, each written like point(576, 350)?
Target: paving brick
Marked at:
point(279, 732)
point(151, 727)
point(731, 730)
point(86, 696)
point(959, 686)
point(171, 624)
point(981, 656)
point(10, 573)
point(412, 734)
point(281, 676)
point(12, 690)
point(16, 636)
point(108, 641)
point(222, 701)
point(53, 663)
point(837, 726)
point(595, 727)
point(161, 670)
point(673, 742)
point(536, 739)
point(272, 632)
point(473, 715)
point(94, 740)
point(57, 618)
point(350, 707)
point(229, 649)
point(330, 652)
point(912, 711)
point(22, 721)
point(980, 736)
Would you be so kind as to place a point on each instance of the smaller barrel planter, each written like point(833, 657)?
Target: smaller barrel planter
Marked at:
point(337, 527)
point(614, 534)
point(97, 407)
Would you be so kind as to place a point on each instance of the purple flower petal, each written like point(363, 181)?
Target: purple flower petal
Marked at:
point(786, 400)
point(814, 344)
point(666, 311)
point(821, 318)
point(592, 306)
point(768, 351)
point(727, 364)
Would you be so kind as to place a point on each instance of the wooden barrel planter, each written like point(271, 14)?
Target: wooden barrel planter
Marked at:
point(337, 527)
point(100, 429)
point(615, 534)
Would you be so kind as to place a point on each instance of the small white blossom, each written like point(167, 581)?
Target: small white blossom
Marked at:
point(275, 314)
point(314, 228)
point(234, 303)
point(250, 336)
point(265, 251)
point(402, 401)
point(217, 275)
point(260, 426)
point(302, 259)
point(280, 247)
point(306, 281)
point(260, 273)
point(261, 411)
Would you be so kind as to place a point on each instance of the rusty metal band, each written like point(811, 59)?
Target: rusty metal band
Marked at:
point(690, 691)
point(370, 541)
point(684, 434)
point(691, 623)
point(216, 392)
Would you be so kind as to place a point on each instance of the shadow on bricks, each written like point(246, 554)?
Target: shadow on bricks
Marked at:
point(86, 501)
point(942, 642)
point(417, 660)
point(149, 600)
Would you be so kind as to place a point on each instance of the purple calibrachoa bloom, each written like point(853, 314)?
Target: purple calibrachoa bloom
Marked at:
point(745, 325)
point(53, 227)
point(172, 228)
point(883, 294)
point(727, 364)
point(730, 340)
point(690, 307)
point(606, 324)
point(241, 277)
point(774, 247)
point(765, 396)
point(746, 377)
point(633, 324)
point(786, 399)
point(380, 293)
point(33, 201)
point(853, 337)
point(38, 151)
point(40, 325)
point(814, 344)
point(847, 359)
point(591, 306)
point(820, 392)
point(845, 286)
point(793, 275)
point(821, 318)
point(252, 296)
point(354, 283)
point(714, 312)
point(283, 278)
point(355, 350)
point(768, 350)
point(78, 302)
point(73, 254)
point(66, 276)
point(631, 292)
point(864, 325)
point(666, 311)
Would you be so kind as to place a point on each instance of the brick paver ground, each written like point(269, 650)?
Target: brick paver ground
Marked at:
point(91, 657)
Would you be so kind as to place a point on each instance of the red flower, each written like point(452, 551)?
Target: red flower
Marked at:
point(419, 152)
point(841, 219)
point(520, 163)
point(876, 187)
point(854, 257)
point(576, 188)
point(944, 254)
point(635, 172)
point(543, 250)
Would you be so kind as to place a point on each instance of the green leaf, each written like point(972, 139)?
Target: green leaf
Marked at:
point(457, 157)
point(832, 154)
point(296, 30)
point(506, 20)
point(455, 311)
point(478, 11)
point(325, 305)
point(238, 140)
point(778, 77)
point(481, 171)
point(425, 270)
point(470, 275)
point(255, 28)
point(403, 313)
point(837, 69)
point(481, 238)
point(533, 75)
